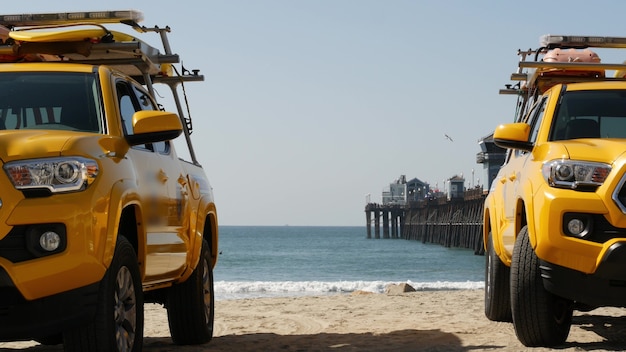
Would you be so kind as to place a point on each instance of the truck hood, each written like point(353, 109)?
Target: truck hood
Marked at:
point(591, 149)
point(29, 144)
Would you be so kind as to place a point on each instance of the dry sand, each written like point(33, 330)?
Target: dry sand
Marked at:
point(415, 321)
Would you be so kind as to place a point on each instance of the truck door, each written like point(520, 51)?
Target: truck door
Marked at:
point(177, 204)
point(511, 178)
point(161, 192)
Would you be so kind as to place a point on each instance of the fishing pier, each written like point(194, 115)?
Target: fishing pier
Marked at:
point(410, 210)
point(450, 223)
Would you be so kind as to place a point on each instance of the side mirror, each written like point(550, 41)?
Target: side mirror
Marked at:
point(150, 126)
point(513, 136)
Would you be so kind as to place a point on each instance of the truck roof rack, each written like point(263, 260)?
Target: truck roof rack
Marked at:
point(535, 74)
point(81, 37)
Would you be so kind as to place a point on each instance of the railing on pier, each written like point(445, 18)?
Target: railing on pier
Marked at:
point(451, 223)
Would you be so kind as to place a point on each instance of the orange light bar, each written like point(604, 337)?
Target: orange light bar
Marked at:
point(42, 19)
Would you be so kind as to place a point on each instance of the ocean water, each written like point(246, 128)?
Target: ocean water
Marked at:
point(266, 261)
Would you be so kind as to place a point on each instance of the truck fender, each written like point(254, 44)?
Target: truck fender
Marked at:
point(488, 219)
point(123, 194)
point(206, 212)
point(527, 214)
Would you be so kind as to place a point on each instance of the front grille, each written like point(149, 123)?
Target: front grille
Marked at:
point(603, 231)
point(13, 246)
point(22, 242)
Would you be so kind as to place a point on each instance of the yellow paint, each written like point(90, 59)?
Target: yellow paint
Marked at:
point(66, 35)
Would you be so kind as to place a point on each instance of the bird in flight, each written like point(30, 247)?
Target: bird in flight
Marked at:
point(448, 137)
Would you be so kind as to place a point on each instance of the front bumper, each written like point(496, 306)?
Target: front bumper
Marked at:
point(605, 287)
point(24, 319)
point(551, 209)
point(78, 264)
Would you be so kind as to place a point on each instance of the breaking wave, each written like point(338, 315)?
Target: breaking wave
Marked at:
point(225, 290)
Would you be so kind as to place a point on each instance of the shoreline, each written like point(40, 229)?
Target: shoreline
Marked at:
point(235, 290)
point(451, 320)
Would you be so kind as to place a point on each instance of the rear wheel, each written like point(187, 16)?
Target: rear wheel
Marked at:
point(497, 286)
point(118, 325)
point(190, 306)
point(539, 317)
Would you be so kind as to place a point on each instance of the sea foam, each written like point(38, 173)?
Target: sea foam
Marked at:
point(225, 290)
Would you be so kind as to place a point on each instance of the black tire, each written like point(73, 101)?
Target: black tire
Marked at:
point(497, 286)
point(50, 340)
point(190, 306)
point(540, 318)
point(118, 325)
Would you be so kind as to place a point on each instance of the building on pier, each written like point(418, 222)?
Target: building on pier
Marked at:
point(417, 190)
point(457, 187)
point(401, 191)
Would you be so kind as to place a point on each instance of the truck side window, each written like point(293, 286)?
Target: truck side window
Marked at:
point(144, 99)
point(146, 103)
point(127, 109)
point(132, 99)
point(533, 118)
point(536, 118)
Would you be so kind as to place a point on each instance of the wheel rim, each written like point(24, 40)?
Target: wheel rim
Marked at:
point(125, 310)
point(206, 287)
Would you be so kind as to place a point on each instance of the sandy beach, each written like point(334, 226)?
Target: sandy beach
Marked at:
point(414, 321)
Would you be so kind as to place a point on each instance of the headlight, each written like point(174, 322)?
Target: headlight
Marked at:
point(575, 174)
point(55, 174)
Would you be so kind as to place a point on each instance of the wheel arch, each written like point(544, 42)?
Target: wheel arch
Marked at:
point(521, 218)
point(132, 230)
point(486, 227)
point(496, 238)
point(123, 218)
point(204, 227)
point(210, 231)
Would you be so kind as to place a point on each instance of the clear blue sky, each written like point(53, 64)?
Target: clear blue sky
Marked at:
point(308, 106)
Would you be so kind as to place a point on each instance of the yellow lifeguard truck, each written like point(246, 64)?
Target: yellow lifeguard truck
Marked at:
point(97, 212)
point(555, 215)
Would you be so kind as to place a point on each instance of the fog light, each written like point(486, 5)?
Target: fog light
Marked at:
point(576, 227)
point(45, 239)
point(50, 241)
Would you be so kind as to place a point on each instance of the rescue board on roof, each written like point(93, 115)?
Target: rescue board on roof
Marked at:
point(70, 35)
point(571, 55)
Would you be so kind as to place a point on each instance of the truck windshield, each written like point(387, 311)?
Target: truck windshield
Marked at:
point(50, 101)
point(590, 114)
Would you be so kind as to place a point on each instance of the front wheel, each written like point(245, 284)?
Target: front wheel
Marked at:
point(118, 325)
point(540, 318)
point(190, 306)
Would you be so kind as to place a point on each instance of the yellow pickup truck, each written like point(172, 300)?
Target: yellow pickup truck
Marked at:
point(98, 214)
point(555, 215)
